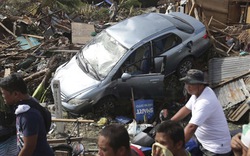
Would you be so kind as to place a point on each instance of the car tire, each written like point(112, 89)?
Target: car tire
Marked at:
point(105, 107)
point(186, 64)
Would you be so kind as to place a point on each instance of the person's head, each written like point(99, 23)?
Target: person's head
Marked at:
point(171, 135)
point(194, 82)
point(13, 88)
point(113, 140)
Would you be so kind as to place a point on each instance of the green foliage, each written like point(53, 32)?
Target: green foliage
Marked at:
point(66, 5)
point(127, 4)
point(101, 14)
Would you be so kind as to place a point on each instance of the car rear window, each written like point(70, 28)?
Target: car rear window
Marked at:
point(181, 24)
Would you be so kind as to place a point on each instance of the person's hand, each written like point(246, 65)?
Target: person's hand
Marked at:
point(239, 149)
point(236, 143)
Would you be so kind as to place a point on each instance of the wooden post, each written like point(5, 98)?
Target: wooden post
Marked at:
point(58, 105)
point(133, 102)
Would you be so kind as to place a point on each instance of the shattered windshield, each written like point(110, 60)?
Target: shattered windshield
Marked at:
point(101, 55)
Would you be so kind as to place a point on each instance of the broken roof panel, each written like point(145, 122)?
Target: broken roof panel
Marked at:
point(247, 82)
point(222, 69)
point(232, 93)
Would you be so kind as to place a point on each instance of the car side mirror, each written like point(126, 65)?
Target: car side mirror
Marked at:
point(126, 76)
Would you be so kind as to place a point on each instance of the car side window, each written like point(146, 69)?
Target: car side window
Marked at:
point(162, 44)
point(139, 61)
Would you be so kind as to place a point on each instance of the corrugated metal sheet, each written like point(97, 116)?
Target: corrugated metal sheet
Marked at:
point(232, 93)
point(222, 69)
point(237, 90)
point(247, 82)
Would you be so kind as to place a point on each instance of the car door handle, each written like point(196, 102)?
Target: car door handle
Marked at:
point(154, 80)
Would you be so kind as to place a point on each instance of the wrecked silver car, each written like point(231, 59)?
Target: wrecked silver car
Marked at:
point(132, 56)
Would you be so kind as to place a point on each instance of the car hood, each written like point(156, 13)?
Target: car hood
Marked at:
point(77, 80)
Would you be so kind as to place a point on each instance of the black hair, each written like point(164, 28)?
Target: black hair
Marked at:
point(14, 82)
point(118, 136)
point(173, 129)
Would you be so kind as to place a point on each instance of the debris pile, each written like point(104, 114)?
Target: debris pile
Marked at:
point(36, 39)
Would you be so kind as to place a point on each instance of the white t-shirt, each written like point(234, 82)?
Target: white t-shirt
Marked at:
point(212, 132)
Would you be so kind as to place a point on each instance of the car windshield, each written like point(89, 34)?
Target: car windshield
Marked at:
point(100, 55)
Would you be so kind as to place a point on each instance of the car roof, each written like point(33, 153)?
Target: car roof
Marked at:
point(135, 29)
point(132, 30)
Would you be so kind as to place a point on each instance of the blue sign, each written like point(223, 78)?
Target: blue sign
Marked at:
point(143, 108)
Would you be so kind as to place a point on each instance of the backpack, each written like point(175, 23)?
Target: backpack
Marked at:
point(33, 103)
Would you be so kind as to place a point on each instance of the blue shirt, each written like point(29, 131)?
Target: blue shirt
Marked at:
point(31, 123)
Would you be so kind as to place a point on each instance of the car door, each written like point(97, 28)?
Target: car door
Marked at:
point(169, 45)
point(139, 77)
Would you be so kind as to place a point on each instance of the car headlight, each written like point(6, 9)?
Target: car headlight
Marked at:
point(80, 101)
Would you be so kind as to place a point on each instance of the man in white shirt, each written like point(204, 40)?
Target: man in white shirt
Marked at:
point(208, 122)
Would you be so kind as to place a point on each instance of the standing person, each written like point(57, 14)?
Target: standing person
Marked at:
point(8, 146)
point(208, 121)
point(170, 136)
point(113, 140)
point(30, 125)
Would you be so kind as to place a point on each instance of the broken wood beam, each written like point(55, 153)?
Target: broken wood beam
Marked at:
point(239, 112)
point(72, 120)
point(1, 24)
point(64, 140)
point(220, 51)
point(209, 22)
point(223, 45)
point(227, 34)
point(191, 10)
point(230, 48)
point(34, 36)
point(35, 75)
point(219, 22)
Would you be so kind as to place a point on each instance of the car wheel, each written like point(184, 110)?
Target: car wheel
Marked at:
point(184, 66)
point(105, 107)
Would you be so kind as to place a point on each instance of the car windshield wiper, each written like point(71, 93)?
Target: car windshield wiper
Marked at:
point(86, 64)
point(83, 61)
point(95, 73)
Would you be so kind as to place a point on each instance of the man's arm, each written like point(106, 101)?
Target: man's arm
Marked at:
point(182, 113)
point(189, 131)
point(29, 145)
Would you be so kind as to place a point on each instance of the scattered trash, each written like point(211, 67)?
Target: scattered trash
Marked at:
point(123, 119)
point(103, 121)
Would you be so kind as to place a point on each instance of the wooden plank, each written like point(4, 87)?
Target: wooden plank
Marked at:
point(72, 120)
point(248, 15)
point(239, 112)
point(34, 36)
point(64, 140)
point(7, 72)
point(81, 32)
